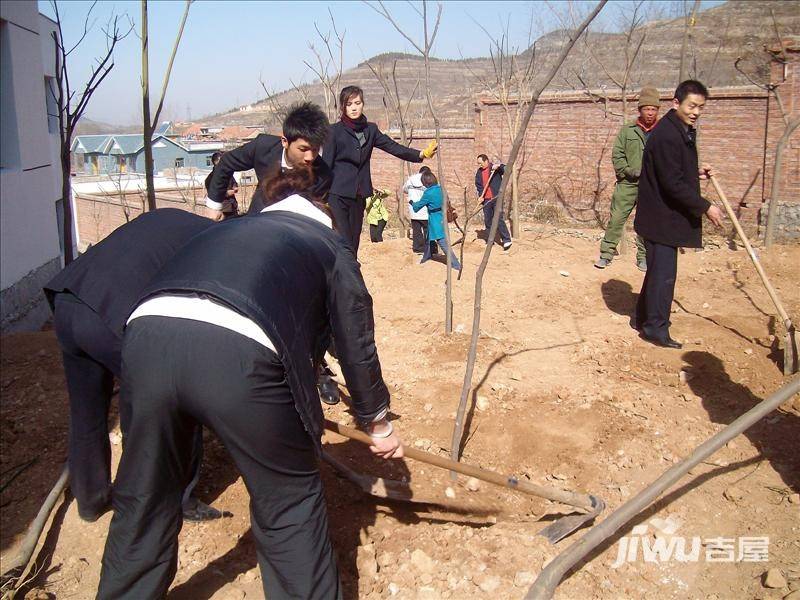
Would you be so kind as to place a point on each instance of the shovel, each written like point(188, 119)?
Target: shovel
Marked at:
point(593, 505)
point(790, 341)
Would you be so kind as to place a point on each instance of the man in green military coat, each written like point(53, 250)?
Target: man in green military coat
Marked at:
point(627, 159)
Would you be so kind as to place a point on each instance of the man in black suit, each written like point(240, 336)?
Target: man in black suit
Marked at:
point(91, 300)
point(670, 208)
point(304, 131)
point(244, 365)
point(230, 206)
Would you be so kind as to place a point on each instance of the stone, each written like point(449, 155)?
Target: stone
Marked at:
point(385, 559)
point(794, 585)
point(393, 588)
point(235, 593)
point(365, 561)
point(482, 403)
point(489, 583)
point(733, 494)
point(428, 407)
point(706, 305)
point(773, 579)
point(450, 493)
point(564, 273)
point(794, 499)
point(422, 561)
point(793, 595)
point(524, 579)
point(473, 484)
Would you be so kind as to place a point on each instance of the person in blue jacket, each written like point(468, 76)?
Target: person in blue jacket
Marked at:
point(432, 199)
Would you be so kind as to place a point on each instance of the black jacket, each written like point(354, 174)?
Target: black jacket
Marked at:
point(230, 204)
point(349, 162)
point(669, 207)
point(264, 155)
point(111, 275)
point(300, 282)
point(494, 182)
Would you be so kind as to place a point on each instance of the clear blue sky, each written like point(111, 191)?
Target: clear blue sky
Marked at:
point(227, 45)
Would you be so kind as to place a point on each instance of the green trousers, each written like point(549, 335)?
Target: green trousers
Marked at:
point(622, 203)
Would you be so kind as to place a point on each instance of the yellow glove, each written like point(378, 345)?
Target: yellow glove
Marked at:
point(430, 150)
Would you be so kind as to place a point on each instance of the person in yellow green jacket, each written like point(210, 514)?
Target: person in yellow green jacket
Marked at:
point(627, 159)
point(377, 214)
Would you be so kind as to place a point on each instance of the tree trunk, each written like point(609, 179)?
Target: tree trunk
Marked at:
point(66, 196)
point(458, 426)
point(147, 123)
point(772, 210)
point(516, 226)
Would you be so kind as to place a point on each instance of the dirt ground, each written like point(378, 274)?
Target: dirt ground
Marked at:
point(568, 396)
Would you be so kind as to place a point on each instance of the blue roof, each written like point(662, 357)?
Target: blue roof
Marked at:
point(122, 143)
point(129, 143)
point(164, 128)
point(91, 143)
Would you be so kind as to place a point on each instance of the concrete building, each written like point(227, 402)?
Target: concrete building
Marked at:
point(30, 174)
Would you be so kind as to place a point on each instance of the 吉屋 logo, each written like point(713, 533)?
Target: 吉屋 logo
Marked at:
point(665, 546)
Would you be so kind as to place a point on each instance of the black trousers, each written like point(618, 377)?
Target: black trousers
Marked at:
point(91, 355)
point(488, 215)
point(658, 289)
point(179, 373)
point(419, 237)
point(348, 217)
point(376, 231)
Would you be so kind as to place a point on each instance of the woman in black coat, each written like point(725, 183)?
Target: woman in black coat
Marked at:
point(347, 152)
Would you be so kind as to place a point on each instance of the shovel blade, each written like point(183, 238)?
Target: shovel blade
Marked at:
point(555, 532)
point(790, 359)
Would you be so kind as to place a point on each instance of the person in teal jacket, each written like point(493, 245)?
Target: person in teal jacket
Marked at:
point(432, 199)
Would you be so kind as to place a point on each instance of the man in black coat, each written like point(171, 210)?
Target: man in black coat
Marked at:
point(91, 299)
point(244, 365)
point(670, 208)
point(304, 131)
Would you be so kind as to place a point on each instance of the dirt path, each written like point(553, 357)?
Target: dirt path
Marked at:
point(573, 398)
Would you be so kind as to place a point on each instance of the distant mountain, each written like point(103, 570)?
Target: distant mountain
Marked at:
point(87, 126)
point(719, 36)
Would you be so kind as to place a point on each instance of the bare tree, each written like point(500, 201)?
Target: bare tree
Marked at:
point(424, 48)
point(458, 429)
point(691, 19)
point(631, 16)
point(510, 83)
point(150, 125)
point(790, 120)
point(71, 105)
point(329, 65)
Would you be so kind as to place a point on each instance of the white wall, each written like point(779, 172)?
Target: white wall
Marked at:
point(30, 181)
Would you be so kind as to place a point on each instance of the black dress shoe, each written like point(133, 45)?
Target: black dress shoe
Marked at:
point(667, 342)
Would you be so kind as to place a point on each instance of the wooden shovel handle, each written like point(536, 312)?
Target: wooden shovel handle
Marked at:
point(787, 322)
point(508, 481)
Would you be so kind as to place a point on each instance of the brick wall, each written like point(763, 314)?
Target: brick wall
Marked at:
point(566, 157)
point(567, 150)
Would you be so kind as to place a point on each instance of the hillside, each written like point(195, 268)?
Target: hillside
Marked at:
point(720, 35)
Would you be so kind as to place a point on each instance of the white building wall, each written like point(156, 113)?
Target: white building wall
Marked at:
point(30, 182)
